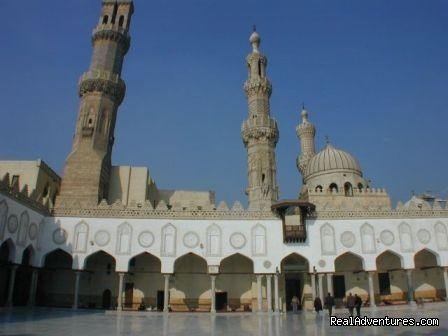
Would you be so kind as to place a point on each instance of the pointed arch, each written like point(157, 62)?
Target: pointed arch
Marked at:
point(389, 260)
point(190, 263)
point(28, 256)
point(124, 238)
point(169, 238)
point(7, 251)
point(426, 258)
point(238, 261)
point(406, 240)
point(57, 258)
point(349, 262)
point(441, 236)
point(146, 259)
point(367, 238)
point(295, 262)
point(214, 241)
point(258, 233)
point(327, 239)
point(23, 228)
point(100, 259)
point(3, 217)
point(80, 237)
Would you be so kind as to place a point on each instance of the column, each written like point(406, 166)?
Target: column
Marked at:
point(76, 295)
point(166, 293)
point(120, 292)
point(269, 292)
point(33, 287)
point(410, 286)
point(330, 283)
point(313, 286)
point(213, 293)
point(371, 290)
point(445, 278)
point(12, 279)
point(259, 293)
point(276, 298)
point(321, 286)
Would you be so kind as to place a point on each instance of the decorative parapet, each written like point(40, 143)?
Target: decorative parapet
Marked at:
point(102, 81)
point(114, 33)
point(259, 85)
point(250, 130)
point(356, 192)
point(403, 213)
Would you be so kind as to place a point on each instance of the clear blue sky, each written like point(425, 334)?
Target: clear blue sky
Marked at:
point(373, 74)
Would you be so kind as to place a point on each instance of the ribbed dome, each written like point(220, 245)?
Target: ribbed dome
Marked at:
point(331, 158)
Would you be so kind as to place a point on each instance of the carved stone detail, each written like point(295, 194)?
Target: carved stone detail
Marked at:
point(348, 239)
point(387, 237)
point(59, 236)
point(33, 231)
point(121, 38)
point(191, 239)
point(145, 239)
point(237, 240)
point(423, 236)
point(115, 90)
point(102, 238)
point(13, 223)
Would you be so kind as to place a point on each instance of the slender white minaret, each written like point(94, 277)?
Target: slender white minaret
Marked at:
point(305, 132)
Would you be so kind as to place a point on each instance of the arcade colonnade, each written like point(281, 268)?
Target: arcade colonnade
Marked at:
point(196, 286)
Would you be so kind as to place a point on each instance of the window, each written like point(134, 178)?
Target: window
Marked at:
point(105, 19)
point(348, 190)
point(15, 181)
point(259, 68)
point(121, 21)
point(45, 192)
point(360, 187)
point(318, 188)
point(333, 187)
point(384, 283)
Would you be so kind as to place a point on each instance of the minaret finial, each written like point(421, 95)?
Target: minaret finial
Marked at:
point(303, 106)
point(255, 39)
point(327, 140)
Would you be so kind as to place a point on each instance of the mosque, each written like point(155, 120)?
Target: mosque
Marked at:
point(108, 237)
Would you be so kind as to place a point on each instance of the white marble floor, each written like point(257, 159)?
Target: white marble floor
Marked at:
point(49, 322)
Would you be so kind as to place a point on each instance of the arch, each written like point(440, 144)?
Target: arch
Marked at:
point(124, 238)
point(169, 237)
point(237, 259)
point(426, 258)
point(333, 187)
point(367, 238)
point(28, 256)
point(389, 261)
point(150, 259)
point(328, 245)
point(23, 228)
point(348, 189)
point(121, 21)
point(214, 241)
point(3, 217)
point(7, 251)
point(80, 237)
point(406, 241)
point(349, 262)
point(258, 234)
point(195, 262)
point(98, 258)
point(318, 189)
point(57, 258)
point(105, 19)
point(360, 187)
point(441, 236)
point(294, 262)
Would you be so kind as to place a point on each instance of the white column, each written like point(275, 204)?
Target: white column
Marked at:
point(213, 293)
point(313, 286)
point(321, 286)
point(120, 292)
point(410, 286)
point(276, 298)
point(12, 279)
point(269, 292)
point(371, 289)
point(330, 283)
point(76, 295)
point(33, 287)
point(445, 278)
point(166, 293)
point(259, 293)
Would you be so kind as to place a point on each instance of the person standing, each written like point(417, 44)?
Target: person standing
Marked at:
point(317, 304)
point(358, 304)
point(350, 303)
point(295, 304)
point(329, 303)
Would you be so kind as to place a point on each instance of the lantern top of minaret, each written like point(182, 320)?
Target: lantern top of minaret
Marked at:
point(255, 40)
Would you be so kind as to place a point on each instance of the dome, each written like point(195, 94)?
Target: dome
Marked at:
point(331, 158)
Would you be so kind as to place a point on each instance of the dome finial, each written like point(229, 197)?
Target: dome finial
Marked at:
point(304, 113)
point(255, 40)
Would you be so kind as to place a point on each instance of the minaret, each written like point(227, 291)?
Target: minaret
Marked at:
point(101, 91)
point(305, 132)
point(259, 132)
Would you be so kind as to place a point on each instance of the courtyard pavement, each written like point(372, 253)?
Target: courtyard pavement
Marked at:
point(52, 322)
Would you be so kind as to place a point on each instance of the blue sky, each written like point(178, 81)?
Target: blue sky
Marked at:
point(373, 75)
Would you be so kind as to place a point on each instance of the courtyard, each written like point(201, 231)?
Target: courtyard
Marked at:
point(49, 322)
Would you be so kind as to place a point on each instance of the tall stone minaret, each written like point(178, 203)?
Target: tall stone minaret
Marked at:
point(305, 132)
point(101, 91)
point(259, 132)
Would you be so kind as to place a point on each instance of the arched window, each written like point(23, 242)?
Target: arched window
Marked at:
point(45, 191)
point(318, 188)
point(360, 187)
point(333, 187)
point(348, 190)
point(121, 21)
point(105, 19)
point(259, 68)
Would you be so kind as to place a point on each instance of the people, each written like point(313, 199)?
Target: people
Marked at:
point(317, 304)
point(142, 306)
point(350, 303)
point(358, 304)
point(329, 303)
point(295, 304)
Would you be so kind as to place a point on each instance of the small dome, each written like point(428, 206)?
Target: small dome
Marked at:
point(331, 158)
point(254, 38)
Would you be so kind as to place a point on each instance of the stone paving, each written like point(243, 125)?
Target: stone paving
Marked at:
point(49, 322)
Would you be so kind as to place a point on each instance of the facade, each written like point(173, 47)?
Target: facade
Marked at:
point(107, 237)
